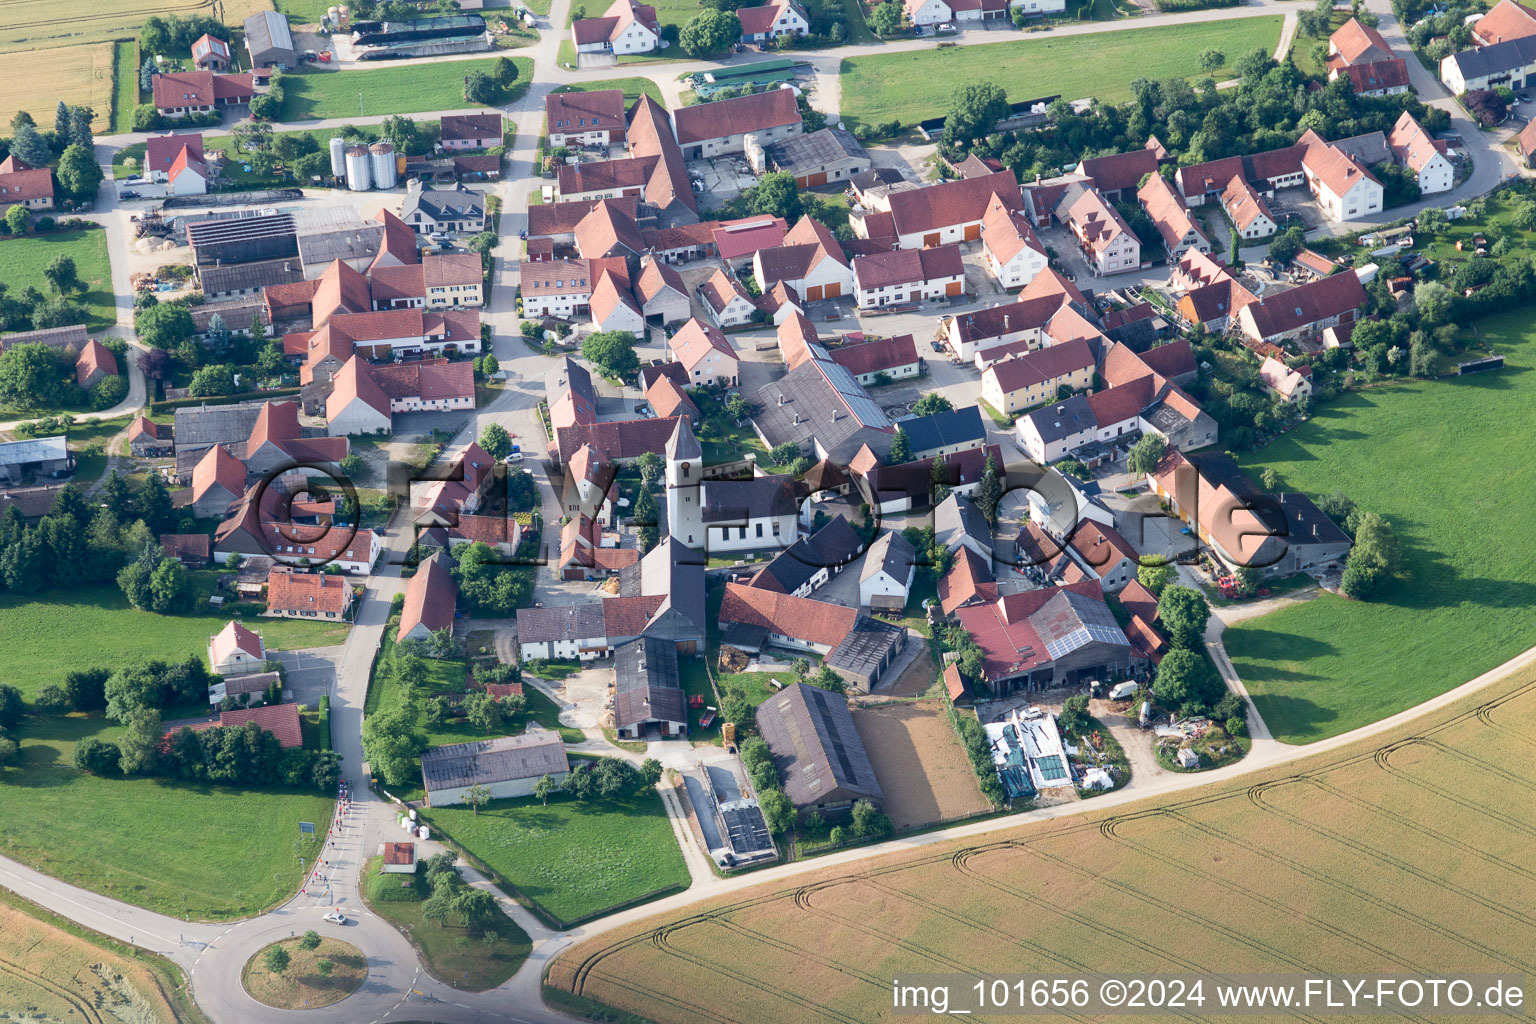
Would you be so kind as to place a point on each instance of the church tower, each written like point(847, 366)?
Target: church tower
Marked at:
point(685, 493)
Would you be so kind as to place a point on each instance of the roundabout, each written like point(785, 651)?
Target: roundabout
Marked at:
point(304, 972)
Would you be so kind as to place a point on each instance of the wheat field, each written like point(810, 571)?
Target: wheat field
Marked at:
point(1402, 854)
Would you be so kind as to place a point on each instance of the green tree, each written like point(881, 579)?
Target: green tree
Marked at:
point(309, 940)
point(496, 441)
point(98, 757)
point(1074, 714)
point(391, 745)
point(482, 712)
point(165, 325)
point(33, 375)
point(1210, 60)
point(490, 365)
point(651, 467)
point(140, 744)
point(52, 700)
point(612, 352)
point(545, 788)
point(439, 906)
point(62, 275)
point(27, 145)
point(276, 959)
point(108, 391)
point(1269, 479)
point(784, 454)
point(645, 517)
point(778, 810)
point(79, 173)
point(18, 219)
point(709, 33)
point(1155, 573)
point(989, 491)
point(931, 403)
point(477, 909)
point(974, 111)
point(147, 75)
point(1187, 682)
point(938, 481)
point(1146, 453)
point(218, 379)
point(324, 968)
point(867, 820)
point(901, 447)
point(168, 587)
point(776, 195)
point(886, 18)
point(506, 72)
point(480, 87)
point(1184, 613)
point(1284, 246)
point(650, 772)
point(1433, 302)
point(477, 796)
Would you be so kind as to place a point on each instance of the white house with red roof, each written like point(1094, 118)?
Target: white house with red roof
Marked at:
point(706, 355)
point(728, 301)
point(768, 22)
point(235, 651)
point(811, 262)
point(625, 27)
point(561, 288)
point(1012, 251)
point(1424, 155)
point(908, 275)
point(22, 185)
point(614, 308)
point(1288, 384)
point(1341, 184)
point(723, 126)
point(200, 92)
point(1107, 241)
point(178, 161)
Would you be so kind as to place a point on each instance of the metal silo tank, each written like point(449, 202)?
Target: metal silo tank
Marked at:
point(338, 158)
point(358, 178)
point(383, 161)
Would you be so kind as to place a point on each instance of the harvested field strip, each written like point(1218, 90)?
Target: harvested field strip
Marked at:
point(1401, 854)
point(36, 81)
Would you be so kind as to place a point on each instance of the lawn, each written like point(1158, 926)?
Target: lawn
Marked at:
point(451, 954)
point(301, 986)
point(22, 261)
point(41, 639)
point(1450, 465)
point(902, 86)
point(125, 83)
point(575, 859)
point(213, 852)
point(409, 89)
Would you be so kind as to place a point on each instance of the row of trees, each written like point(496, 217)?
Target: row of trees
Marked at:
point(1187, 681)
point(29, 309)
point(77, 544)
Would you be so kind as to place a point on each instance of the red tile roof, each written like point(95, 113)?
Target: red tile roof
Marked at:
point(908, 266)
point(470, 126)
point(1357, 43)
point(1005, 232)
point(94, 357)
point(1507, 20)
point(235, 637)
point(627, 616)
point(950, 203)
point(187, 545)
point(814, 622)
point(775, 108)
point(200, 88)
point(1379, 76)
point(1041, 366)
point(429, 597)
point(720, 289)
point(875, 356)
point(218, 468)
point(738, 238)
point(20, 183)
point(161, 151)
point(562, 218)
point(353, 382)
point(968, 580)
point(1120, 171)
point(399, 241)
point(318, 592)
point(281, 720)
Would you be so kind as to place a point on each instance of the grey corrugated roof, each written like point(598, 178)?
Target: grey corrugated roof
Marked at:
point(245, 276)
point(865, 647)
point(267, 30)
point(503, 759)
point(832, 408)
point(349, 242)
point(813, 151)
point(816, 746)
point(958, 516)
point(646, 687)
point(39, 449)
point(206, 425)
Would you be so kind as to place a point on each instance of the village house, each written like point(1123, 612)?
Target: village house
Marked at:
point(1012, 251)
point(569, 393)
point(937, 12)
point(1424, 155)
point(1107, 241)
point(1020, 381)
point(430, 596)
point(948, 211)
point(908, 275)
point(364, 397)
point(663, 295)
point(728, 302)
point(179, 161)
point(706, 356)
point(1511, 64)
point(259, 527)
point(1104, 555)
point(667, 397)
point(507, 766)
point(210, 53)
point(958, 522)
point(269, 41)
point(557, 288)
point(945, 433)
point(585, 556)
point(1360, 53)
point(1048, 638)
point(217, 482)
point(593, 118)
point(613, 306)
point(22, 185)
point(460, 132)
point(896, 358)
point(1170, 215)
point(909, 485)
point(1027, 321)
point(148, 439)
point(625, 28)
point(1288, 384)
point(180, 93)
point(715, 129)
point(811, 262)
point(809, 563)
point(307, 595)
point(885, 580)
point(1342, 185)
point(1250, 215)
point(432, 210)
point(1303, 311)
point(855, 646)
point(235, 651)
point(1241, 526)
point(94, 363)
point(770, 21)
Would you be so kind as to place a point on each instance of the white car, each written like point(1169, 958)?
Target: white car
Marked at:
point(514, 457)
point(336, 917)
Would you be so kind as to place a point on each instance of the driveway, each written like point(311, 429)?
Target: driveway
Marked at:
point(309, 673)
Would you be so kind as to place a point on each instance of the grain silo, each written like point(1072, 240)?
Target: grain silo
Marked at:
point(383, 161)
point(338, 158)
point(358, 178)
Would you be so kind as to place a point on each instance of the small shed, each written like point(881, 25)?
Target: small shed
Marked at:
point(399, 859)
point(1188, 758)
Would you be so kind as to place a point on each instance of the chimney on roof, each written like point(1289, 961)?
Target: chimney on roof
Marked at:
point(797, 419)
point(781, 398)
point(1314, 529)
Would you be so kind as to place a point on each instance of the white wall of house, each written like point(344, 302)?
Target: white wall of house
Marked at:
point(736, 312)
point(498, 790)
point(908, 291)
point(1020, 270)
point(1025, 397)
point(756, 534)
point(588, 649)
point(932, 12)
point(563, 306)
point(622, 318)
point(707, 148)
point(636, 38)
point(1437, 175)
point(967, 350)
point(358, 417)
point(1363, 198)
point(1042, 452)
point(882, 590)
